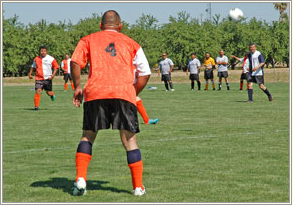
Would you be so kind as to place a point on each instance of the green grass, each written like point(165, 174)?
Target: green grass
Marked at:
point(209, 146)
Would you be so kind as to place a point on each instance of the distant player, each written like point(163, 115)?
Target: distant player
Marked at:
point(222, 62)
point(256, 64)
point(109, 94)
point(43, 80)
point(194, 68)
point(209, 64)
point(65, 65)
point(245, 69)
point(165, 67)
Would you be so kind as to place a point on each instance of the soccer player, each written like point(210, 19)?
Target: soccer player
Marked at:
point(65, 65)
point(222, 62)
point(209, 64)
point(143, 113)
point(43, 80)
point(245, 69)
point(166, 66)
point(194, 68)
point(256, 64)
point(109, 94)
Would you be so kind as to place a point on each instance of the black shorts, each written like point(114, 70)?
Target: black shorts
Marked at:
point(166, 77)
point(194, 77)
point(44, 85)
point(223, 74)
point(100, 114)
point(208, 74)
point(244, 76)
point(67, 76)
point(256, 79)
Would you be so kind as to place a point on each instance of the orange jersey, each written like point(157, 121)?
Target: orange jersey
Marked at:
point(44, 66)
point(111, 74)
point(65, 65)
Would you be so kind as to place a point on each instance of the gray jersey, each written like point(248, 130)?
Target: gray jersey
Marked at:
point(193, 66)
point(222, 68)
point(165, 66)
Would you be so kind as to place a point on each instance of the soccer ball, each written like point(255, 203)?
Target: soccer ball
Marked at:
point(236, 14)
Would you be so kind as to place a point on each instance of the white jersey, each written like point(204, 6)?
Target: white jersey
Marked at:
point(193, 66)
point(141, 65)
point(245, 68)
point(44, 67)
point(165, 65)
point(222, 68)
point(68, 65)
point(255, 59)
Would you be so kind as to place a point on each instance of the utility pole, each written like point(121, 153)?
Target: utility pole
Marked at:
point(209, 12)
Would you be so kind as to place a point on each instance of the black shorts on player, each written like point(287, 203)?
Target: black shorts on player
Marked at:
point(193, 77)
point(223, 74)
point(208, 74)
point(100, 114)
point(67, 76)
point(166, 77)
point(44, 85)
point(244, 76)
point(259, 79)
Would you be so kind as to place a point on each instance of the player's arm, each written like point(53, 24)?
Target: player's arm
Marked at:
point(239, 59)
point(31, 72)
point(262, 63)
point(144, 72)
point(187, 69)
point(160, 68)
point(55, 66)
point(78, 93)
point(198, 69)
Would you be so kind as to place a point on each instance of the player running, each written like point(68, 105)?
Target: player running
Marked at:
point(109, 94)
point(194, 68)
point(209, 64)
point(65, 65)
point(245, 69)
point(43, 80)
point(222, 62)
point(256, 64)
point(165, 67)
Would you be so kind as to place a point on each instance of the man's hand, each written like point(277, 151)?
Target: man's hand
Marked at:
point(77, 97)
point(186, 72)
point(170, 71)
point(30, 76)
point(51, 78)
point(254, 69)
point(159, 73)
point(232, 56)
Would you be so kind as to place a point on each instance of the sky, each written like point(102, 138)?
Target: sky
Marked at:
point(130, 12)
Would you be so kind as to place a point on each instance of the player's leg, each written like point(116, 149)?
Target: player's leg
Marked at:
point(143, 113)
point(165, 82)
point(71, 81)
point(266, 91)
point(170, 82)
point(241, 83)
point(198, 84)
point(250, 92)
point(66, 80)
point(192, 84)
point(37, 98)
point(134, 160)
point(48, 88)
point(220, 81)
point(227, 83)
point(207, 84)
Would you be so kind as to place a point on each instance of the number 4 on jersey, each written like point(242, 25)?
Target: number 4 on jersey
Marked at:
point(111, 49)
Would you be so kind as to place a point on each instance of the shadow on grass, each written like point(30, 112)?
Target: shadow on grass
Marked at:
point(240, 101)
point(33, 109)
point(66, 185)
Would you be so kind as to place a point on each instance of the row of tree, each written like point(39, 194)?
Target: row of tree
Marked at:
point(181, 36)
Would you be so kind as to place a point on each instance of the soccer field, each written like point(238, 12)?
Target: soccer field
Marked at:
point(209, 146)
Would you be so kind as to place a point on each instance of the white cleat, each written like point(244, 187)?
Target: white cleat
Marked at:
point(167, 90)
point(172, 89)
point(79, 188)
point(138, 191)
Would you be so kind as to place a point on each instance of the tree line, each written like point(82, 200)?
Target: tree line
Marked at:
point(180, 37)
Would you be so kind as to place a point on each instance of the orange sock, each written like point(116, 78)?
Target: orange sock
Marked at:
point(82, 161)
point(37, 100)
point(142, 111)
point(207, 86)
point(241, 86)
point(65, 86)
point(136, 174)
point(214, 86)
point(72, 86)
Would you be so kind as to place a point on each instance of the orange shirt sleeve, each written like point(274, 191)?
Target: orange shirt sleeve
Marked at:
point(80, 55)
point(55, 64)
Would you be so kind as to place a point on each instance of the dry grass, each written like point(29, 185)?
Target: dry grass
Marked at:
point(271, 76)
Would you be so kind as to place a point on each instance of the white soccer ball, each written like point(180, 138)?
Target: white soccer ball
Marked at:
point(236, 14)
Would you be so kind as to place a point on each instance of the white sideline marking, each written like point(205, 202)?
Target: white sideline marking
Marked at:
point(160, 140)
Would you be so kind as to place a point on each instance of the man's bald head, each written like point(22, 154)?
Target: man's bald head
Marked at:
point(111, 20)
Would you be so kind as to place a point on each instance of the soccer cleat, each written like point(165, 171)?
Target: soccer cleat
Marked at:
point(249, 101)
point(172, 89)
point(53, 97)
point(214, 88)
point(153, 121)
point(36, 108)
point(228, 88)
point(138, 191)
point(167, 90)
point(192, 89)
point(271, 98)
point(79, 188)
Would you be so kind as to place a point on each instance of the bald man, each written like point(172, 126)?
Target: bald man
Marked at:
point(222, 62)
point(109, 94)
